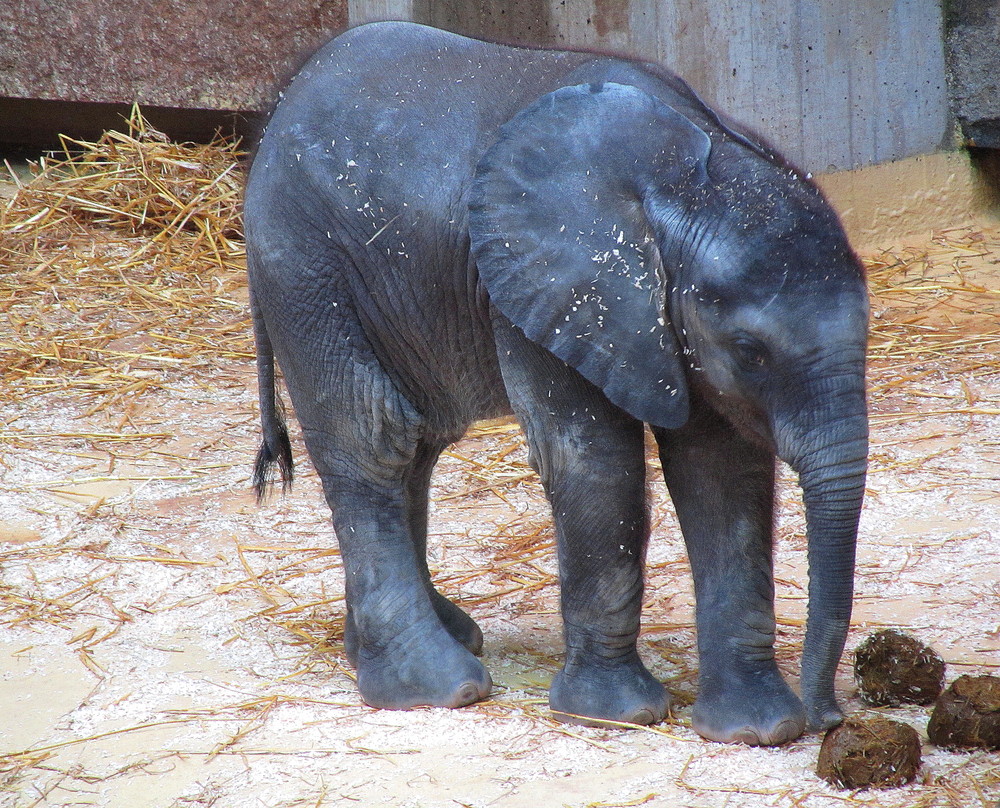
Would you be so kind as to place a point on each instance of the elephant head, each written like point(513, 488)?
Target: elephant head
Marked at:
point(676, 264)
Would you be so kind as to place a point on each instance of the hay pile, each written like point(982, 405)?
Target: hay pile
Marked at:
point(122, 266)
point(930, 313)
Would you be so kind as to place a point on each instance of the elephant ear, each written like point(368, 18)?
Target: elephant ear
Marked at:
point(563, 244)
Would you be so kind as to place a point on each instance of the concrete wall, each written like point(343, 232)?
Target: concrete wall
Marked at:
point(834, 85)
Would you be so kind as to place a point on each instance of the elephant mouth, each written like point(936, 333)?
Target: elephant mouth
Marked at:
point(752, 423)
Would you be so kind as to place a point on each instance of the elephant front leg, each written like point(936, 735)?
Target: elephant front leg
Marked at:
point(602, 527)
point(722, 487)
point(590, 457)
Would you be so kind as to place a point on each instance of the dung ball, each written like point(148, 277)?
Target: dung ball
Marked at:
point(893, 668)
point(869, 753)
point(967, 714)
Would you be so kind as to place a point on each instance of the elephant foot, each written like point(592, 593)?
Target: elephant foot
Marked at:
point(758, 711)
point(600, 693)
point(423, 667)
point(462, 627)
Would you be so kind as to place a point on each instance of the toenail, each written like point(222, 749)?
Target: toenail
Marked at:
point(748, 736)
point(468, 694)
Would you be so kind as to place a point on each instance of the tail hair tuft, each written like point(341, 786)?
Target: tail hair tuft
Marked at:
point(275, 449)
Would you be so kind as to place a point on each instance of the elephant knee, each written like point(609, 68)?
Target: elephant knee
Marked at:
point(556, 459)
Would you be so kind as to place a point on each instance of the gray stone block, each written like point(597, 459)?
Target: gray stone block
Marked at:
point(973, 54)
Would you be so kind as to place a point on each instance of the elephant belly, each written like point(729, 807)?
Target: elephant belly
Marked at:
point(437, 346)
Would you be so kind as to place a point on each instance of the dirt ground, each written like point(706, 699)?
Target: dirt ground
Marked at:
point(165, 642)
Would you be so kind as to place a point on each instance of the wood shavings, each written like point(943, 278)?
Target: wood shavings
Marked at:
point(123, 264)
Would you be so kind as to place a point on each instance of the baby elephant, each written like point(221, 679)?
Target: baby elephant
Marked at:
point(441, 230)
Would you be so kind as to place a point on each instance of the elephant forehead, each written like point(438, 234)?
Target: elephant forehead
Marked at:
point(807, 327)
point(777, 280)
point(788, 269)
point(792, 316)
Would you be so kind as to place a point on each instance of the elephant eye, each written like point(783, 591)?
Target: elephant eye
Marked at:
point(749, 353)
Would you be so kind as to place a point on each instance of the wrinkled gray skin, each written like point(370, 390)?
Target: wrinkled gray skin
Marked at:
point(442, 230)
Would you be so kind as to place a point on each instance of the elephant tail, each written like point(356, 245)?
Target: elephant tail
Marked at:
point(275, 448)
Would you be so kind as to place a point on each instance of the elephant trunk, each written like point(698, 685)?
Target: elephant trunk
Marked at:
point(832, 477)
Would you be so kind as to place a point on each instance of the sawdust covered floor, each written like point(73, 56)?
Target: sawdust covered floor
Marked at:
point(165, 642)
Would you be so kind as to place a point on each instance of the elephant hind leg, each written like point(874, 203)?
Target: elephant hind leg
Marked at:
point(365, 438)
point(405, 654)
point(461, 626)
point(417, 489)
